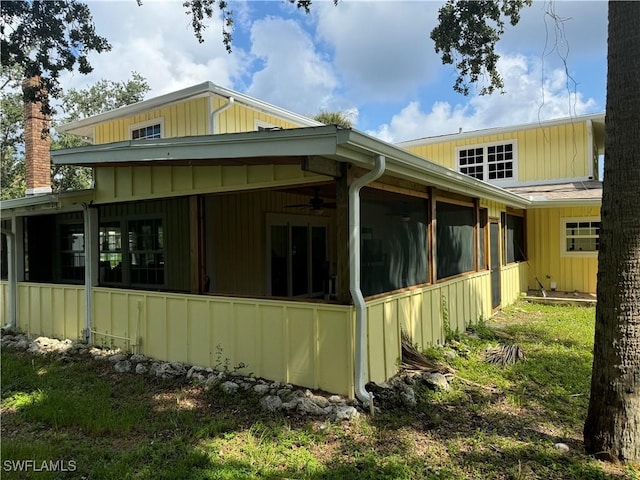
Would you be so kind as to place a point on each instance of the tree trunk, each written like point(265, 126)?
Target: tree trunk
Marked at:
point(612, 428)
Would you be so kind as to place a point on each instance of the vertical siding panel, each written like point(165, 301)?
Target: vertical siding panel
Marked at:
point(376, 340)
point(247, 338)
point(272, 359)
point(156, 321)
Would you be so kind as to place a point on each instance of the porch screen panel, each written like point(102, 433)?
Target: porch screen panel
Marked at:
point(394, 247)
point(4, 264)
point(514, 241)
point(454, 239)
point(40, 248)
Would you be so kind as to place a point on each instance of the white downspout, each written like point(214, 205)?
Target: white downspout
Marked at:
point(216, 113)
point(354, 278)
point(91, 261)
point(11, 279)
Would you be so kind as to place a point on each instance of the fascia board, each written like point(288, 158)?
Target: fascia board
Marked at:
point(295, 142)
point(66, 201)
point(567, 202)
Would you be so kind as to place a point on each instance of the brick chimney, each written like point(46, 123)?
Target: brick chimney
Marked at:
point(37, 144)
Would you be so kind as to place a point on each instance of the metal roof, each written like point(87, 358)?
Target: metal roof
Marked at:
point(345, 145)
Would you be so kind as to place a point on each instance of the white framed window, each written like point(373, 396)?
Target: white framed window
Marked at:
point(580, 236)
point(491, 162)
point(150, 129)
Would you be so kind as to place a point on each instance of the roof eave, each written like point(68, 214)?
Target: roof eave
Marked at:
point(31, 205)
point(566, 202)
point(340, 144)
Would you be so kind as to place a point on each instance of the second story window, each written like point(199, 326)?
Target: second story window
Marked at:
point(490, 162)
point(147, 130)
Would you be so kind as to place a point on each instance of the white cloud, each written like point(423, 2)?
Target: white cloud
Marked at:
point(156, 40)
point(528, 98)
point(294, 75)
point(381, 49)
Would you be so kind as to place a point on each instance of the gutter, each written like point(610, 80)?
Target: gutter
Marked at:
point(354, 278)
point(12, 279)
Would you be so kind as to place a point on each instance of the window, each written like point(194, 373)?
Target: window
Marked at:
point(394, 241)
point(110, 253)
point(72, 252)
point(491, 162)
point(138, 260)
point(471, 162)
point(455, 243)
point(514, 238)
point(581, 236)
point(146, 252)
point(146, 130)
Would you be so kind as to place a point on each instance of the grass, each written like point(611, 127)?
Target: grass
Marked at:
point(497, 423)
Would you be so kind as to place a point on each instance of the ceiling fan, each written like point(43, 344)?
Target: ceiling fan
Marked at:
point(315, 203)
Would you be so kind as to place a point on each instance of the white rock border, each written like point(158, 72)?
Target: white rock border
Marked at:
point(274, 396)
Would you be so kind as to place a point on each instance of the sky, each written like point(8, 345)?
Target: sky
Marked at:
point(373, 60)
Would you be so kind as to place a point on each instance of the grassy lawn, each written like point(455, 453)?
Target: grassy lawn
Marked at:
point(495, 423)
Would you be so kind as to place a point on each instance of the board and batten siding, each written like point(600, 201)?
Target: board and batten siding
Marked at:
point(181, 119)
point(51, 310)
point(236, 237)
point(307, 344)
point(549, 153)
point(189, 118)
point(116, 184)
point(240, 118)
point(544, 245)
point(176, 230)
point(423, 313)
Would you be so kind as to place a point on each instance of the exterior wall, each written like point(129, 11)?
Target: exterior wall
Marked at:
point(51, 310)
point(422, 313)
point(243, 119)
point(119, 184)
point(308, 344)
point(179, 120)
point(4, 307)
point(189, 118)
point(236, 238)
point(544, 154)
point(494, 208)
point(513, 281)
point(544, 247)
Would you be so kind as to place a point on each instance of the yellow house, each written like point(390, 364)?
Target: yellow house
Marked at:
point(224, 228)
point(554, 164)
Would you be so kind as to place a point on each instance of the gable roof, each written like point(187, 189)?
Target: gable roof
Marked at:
point(85, 126)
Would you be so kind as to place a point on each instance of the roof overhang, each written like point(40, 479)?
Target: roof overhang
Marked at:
point(330, 141)
point(566, 202)
point(85, 126)
point(41, 204)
